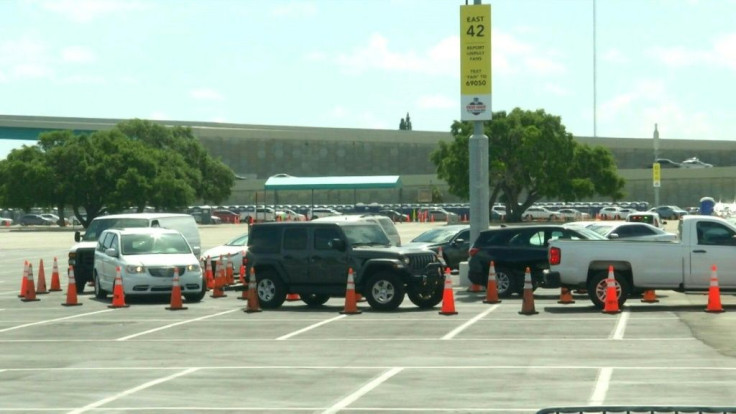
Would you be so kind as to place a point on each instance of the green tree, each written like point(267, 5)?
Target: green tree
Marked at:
point(531, 157)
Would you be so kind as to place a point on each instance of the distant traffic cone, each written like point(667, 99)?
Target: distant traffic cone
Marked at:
point(30, 295)
point(71, 290)
point(241, 276)
point(55, 282)
point(41, 285)
point(492, 288)
point(448, 297)
point(229, 271)
point(118, 293)
point(24, 281)
point(527, 303)
point(611, 304)
point(649, 296)
point(351, 302)
point(176, 293)
point(253, 305)
point(217, 290)
point(475, 288)
point(293, 297)
point(208, 273)
point(714, 293)
point(565, 296)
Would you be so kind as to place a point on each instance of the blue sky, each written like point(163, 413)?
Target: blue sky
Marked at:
point(365, 64)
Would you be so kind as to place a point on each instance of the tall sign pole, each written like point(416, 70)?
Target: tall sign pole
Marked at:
point(656, 168)
point(475, 102)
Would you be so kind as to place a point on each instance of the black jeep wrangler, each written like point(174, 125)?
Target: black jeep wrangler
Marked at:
point(312, 259)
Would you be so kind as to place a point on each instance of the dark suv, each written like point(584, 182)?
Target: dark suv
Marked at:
point(513, 249)
point(312, 259)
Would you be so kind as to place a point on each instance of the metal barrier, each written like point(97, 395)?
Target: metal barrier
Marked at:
point(639, 410)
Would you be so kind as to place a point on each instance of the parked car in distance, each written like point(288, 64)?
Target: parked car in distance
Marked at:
point(571, 214)
point(610, 213)
point(669, 212)
point(645, 217)
point(534, 213)
point(147, 258)
point(694, 162)
point(227, 216)
point(35, 220)
point(666, 163)
point(437, 214)
point(395, 216)
point(234, 250)
point(513, 249)
point(287, 214)
point(615, 230)
point(56, 219)
point(319, 212)
point(453, 239)
point(4, 221)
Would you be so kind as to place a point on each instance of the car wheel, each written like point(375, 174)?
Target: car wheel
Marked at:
point(100, 293)
point(314, 299)
point(384, 291)
point(197, 297)
point(597, 287)
point(506, 282)
point(271, 291)
point(426, 300)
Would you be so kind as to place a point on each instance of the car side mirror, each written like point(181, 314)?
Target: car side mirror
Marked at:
point(77, 236)
point(337, 244)
point(613, 236)
point(458, 242)
point(111, 252)
point(196, 250)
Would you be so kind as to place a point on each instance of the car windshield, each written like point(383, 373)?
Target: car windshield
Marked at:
point(366, 235)
point(241, 240)
point(101, 224)
point(438, 235)
point(170, 243)
point(589, 234)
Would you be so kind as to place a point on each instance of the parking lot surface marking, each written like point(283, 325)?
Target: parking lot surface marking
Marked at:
point(362, 391)
point(131, 391)
point(53, 320)
point(601, 386)
point(161, 328)
point(618, 332)
point(473, 320)
point(309, 328)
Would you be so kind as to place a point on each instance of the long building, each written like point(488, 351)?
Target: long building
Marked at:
point(256, 152)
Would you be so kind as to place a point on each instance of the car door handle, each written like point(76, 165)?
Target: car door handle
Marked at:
point(700, 251)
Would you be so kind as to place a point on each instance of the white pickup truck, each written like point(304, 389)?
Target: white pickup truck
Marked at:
point(681, 265)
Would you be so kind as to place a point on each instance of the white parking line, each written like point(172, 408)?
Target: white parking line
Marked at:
point(131, 391)
point(362, 391)
point(405, 339)
point(54, 320)
point(161, 328)
point(470, 322)
point(618, 331)
point(601, 386)
point(310, 327)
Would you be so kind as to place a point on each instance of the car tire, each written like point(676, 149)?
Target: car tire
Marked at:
point(314, 299)
point(384, 291)
point(426, 301)
point(271, 290)
point(597, 289)
point(197, 297)
point(100, 293)
point(507, 282)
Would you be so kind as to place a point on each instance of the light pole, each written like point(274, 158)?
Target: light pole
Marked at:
point(656, 167)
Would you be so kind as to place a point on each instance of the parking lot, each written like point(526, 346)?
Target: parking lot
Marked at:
point(213, 357)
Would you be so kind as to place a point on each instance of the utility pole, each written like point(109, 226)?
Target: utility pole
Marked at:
point(656, 167)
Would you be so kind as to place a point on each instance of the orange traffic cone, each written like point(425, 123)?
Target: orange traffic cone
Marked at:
point(30, 295)
point(229, 271)
point(253, 305)
point(649, 296)
point(611, 306)
point(448, 297)
point(492, 288)
point(217, 291)
point(351, 302)
point(208, 273)
point(176, 293)
point(118, 293)
point(24, 281)
point(41, 287)
point(714, 293)
point(293, 297)
point(527, 303)
point(55, 282)
point(565, 296)
point(241, 276)
point(71, 290)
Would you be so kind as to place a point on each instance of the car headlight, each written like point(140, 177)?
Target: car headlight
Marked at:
point(405, 260)
point(135, 269)
point(192, 268)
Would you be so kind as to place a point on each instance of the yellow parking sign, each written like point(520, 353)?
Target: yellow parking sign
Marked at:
point(656, 174)
point(475, 62)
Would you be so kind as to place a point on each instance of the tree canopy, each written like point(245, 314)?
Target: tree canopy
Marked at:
point(136, 164)
point(531, 157)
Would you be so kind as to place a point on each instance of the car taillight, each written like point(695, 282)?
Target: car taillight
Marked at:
point(473, 251)
point(555, 255)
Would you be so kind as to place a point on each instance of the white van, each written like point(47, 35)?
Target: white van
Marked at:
point(645, 217)
point(82, 254)
point(386, 224)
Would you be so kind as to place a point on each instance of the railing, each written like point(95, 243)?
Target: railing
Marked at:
point(639, 410)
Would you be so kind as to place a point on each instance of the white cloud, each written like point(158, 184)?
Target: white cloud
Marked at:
point(437, 102)
point(3, 78)
point(614, 56)
point(158, 116)
point(87, 10)
point(725, 50)
point(721, 53)
point(544, 66)
point(85, 80)
point(295, 8)
point(31, 71)
point(206, 94)
point(338, 112)
point(556, 89)
point(77, 54)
